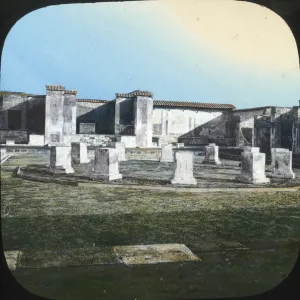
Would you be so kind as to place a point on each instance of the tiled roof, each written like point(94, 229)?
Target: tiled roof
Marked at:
point(71, 92)
point(54, 87)
point(92, 100)
point(193, 104)
point(134, 94)
point(253, 108)
point(4, 93)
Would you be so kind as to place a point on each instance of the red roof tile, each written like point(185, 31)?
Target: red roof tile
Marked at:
point(92, 100)
point(253, 108)
point(134, 94)
point(193, 104)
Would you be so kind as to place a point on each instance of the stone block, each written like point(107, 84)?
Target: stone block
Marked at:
point(129, 141)
point(120, 147)
point(36, 140)
point(251, 149)
point(253, 168)
point(211, 155)
point(79, 153)
point(167, 154)
point(183, 173)
point(10, 142)
point(282, 163)
point(106, 165)
point(60, 159)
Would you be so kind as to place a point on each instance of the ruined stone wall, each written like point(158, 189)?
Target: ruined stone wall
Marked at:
point(170, 124)
point(13, 102)
point(36, 114)
point(102, 114)
point(19, 136)
point(124, 116)
point(219, 130)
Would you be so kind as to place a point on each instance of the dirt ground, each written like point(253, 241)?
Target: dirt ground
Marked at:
point(247, 242)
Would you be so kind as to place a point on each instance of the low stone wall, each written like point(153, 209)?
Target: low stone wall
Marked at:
point(90, 139)
point(199, 141)
point(26, 149)
point(143, 153)
point(19, 136)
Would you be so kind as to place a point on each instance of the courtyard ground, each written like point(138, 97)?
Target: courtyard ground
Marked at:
point(247, 242)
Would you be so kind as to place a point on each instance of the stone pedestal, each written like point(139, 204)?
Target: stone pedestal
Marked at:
point(60, 159)
point(282, 163)
point(143, 111)
point(120, 147)
point(79, 153)
point(183, 173)
point(211, 155)
point(167, 154)
point(253, 168)
point(10, 142)
point(106, 165)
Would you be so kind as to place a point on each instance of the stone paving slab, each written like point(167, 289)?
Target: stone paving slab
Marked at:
point(12, 258)
point(153, 254)
point(137, 254)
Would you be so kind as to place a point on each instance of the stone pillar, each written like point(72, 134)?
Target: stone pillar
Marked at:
point(275, 130)
point(282, 163)
point(143, 108)
point(69, 113)
point(117, 115)
point(106, 165)
point(211, 155)
point(60, 159)
point(167, 153)
point(120, 147)
point(183, 173)
point(253, 168)
point(296, 131)
point(79, 153)
point(54, 119)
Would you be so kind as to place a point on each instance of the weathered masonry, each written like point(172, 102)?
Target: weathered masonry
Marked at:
point(138, 120)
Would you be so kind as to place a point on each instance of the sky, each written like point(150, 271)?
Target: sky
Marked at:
point(216, 51)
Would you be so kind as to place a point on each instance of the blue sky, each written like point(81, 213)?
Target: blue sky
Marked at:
point(102, 49)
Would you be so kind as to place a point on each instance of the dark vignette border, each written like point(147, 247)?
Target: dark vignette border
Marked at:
point(13, 10)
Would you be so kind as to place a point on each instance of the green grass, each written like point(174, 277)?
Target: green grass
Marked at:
point(218, 275)
point(45, 218)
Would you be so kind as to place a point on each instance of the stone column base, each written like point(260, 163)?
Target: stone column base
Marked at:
point(184, 181)
point(283, 175)
point(109, 177)
point(166, 160)
point(61, 169)
point(253, 180)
